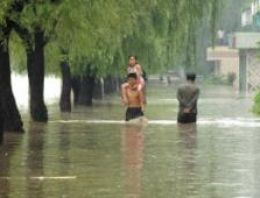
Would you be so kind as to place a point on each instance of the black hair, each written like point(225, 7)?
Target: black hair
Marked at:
point(191, 76)
point(132, 75)
point(132, 56)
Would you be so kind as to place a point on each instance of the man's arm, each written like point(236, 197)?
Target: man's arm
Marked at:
point(123, 94)
point(194, 99)
point(180, 98)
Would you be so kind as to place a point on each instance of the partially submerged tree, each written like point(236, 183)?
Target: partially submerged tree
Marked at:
point(8, 9)
point(86, 40)
point(34, 27)
point(1, 121)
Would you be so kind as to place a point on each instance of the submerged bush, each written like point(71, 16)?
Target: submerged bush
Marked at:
point(256, 107)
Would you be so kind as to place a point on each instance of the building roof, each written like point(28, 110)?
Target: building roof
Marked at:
point(246, 40)
point(221, 52)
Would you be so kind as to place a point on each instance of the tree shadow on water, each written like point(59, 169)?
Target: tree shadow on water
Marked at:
point(186, 163)
point(8, 147)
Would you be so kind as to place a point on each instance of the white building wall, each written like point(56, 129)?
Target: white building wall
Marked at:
point(246, 18)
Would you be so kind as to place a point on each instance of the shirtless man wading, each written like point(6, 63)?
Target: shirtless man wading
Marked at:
point(132, 97)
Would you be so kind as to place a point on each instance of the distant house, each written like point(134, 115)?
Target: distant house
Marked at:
point(242, 55)
point(249, 60)
point(225, 61)
point(247, 42)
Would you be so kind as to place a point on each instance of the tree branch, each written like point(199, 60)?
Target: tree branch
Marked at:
point(23, 32)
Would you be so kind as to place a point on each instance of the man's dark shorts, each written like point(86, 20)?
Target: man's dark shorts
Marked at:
point(133, 113)
point(187, 118)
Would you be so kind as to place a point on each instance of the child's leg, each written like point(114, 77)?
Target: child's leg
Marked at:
point(142, 87)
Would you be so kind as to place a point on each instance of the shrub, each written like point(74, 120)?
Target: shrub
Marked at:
point(256, 107)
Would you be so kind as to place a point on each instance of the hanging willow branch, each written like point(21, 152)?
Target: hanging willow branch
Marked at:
point(107, 31)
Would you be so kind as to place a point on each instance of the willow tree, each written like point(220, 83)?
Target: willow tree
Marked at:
point(1, 121)
point(8, 10)
point(166, 32)
point(159, 31)
point(34, 27)
point(82, 33)
point(90, 42)
point(93, 38)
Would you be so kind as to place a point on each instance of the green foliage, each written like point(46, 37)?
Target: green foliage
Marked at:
point(4, 5)
point(17, 53)
point(256, 107)
point(162, 33)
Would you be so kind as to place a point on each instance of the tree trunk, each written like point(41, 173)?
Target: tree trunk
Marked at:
point(75, 85)
point(110, 85)
point(99, 89)
point(107, 85)
point(86, 90)
point(119, 81)
point(65, 102)
point(35, 66)
point(13, 121)
point(1, 122)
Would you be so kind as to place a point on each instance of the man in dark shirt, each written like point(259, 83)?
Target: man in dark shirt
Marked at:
point(187, 96)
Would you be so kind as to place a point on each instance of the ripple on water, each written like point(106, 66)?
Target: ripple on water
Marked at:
point(222, 123)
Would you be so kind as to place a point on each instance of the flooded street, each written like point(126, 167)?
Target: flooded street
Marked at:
point(92, 153)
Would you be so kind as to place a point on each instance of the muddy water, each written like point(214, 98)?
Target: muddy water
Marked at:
point(92, 153)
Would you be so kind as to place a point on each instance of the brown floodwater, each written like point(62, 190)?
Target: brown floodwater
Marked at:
point(91, 152)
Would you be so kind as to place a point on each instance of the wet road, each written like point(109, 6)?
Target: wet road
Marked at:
point(91, 153)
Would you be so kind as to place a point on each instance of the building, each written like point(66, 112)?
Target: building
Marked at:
point(225, 62)
point(241, 56)
point(247, 43)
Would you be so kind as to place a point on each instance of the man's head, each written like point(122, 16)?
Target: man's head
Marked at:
point(132, 60)
point(191, 77)
point(132, 79)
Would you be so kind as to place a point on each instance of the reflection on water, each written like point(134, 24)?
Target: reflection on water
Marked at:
point(133, 157)
point(186, 165)
point(35, 159)
point(92, 153)
point(188, 136)
point(7, 150)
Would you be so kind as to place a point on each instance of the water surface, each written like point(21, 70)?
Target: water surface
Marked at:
point(92, 153)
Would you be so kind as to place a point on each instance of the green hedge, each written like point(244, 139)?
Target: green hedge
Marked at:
point(256, 107)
